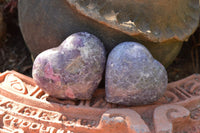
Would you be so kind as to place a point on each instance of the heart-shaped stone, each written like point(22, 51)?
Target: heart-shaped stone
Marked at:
point(133, 76)
point(72, 70)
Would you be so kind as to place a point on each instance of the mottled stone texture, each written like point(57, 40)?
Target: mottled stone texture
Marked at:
point(72, 70)
point(133, 76)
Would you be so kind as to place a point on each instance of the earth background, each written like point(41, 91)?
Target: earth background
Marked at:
point(14, 54)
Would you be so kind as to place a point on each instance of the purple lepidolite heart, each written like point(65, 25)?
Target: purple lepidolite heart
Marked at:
point(72, 70)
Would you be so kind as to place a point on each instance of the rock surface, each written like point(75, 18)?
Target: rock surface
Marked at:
point(72, 70)
point(133, 76)
point(161, 26)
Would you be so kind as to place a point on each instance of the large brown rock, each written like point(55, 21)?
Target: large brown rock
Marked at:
point(161, 26)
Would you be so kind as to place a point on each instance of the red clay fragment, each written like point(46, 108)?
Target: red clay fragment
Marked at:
point(166, 115)
point(25, 108)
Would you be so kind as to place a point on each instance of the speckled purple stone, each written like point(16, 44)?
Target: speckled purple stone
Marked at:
point(72, 70)
point(133, 76)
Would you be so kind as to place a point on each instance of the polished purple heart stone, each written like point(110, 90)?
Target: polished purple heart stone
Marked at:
point(133, 76)
point(72, 70)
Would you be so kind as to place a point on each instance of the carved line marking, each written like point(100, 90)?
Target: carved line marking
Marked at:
point(169, 97)
point(46, 129)
point(184, 93)
point(170, 94)
point(36, 88)
point(46, 115)
point(12, 123)
point(28, 111)
point(15, 84)
point(39, 94)
point(195, 89)
point(25, 125)
point(36, 92)
point(8, 105)
point(15, 123)
point(195, 114)
point(188, 85)
point(178, 93)
point(191, 85)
